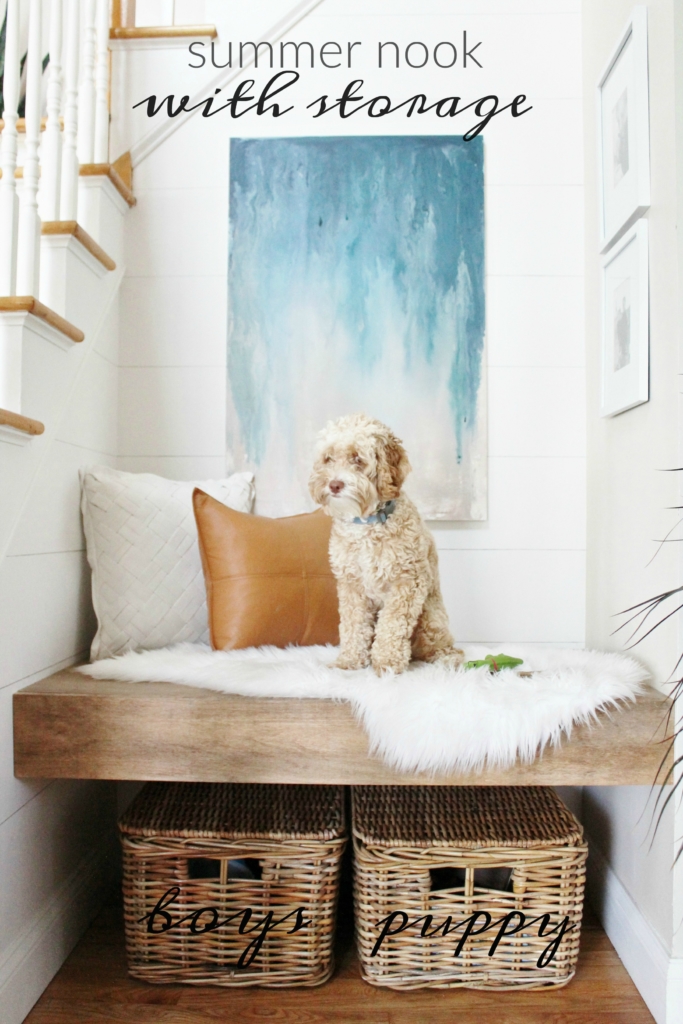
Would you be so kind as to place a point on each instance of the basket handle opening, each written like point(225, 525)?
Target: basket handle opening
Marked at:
point(497, 879)
point(224, 869)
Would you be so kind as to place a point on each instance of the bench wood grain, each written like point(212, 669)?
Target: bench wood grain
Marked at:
point(70, 726)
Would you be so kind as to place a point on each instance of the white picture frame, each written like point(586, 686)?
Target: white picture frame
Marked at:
point(625, 323)
point(624, 132)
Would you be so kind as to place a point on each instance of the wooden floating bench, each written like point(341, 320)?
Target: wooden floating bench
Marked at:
point(71, 726)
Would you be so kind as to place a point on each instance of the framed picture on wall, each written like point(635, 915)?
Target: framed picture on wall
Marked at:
point(625, 323)
point(359, 262)
point(624, 133)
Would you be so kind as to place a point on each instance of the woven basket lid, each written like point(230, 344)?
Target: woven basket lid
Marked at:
point(236, 811)
point(467, 817)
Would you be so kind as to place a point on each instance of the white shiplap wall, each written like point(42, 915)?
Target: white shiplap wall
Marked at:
point(519, 576)
point(55, 837)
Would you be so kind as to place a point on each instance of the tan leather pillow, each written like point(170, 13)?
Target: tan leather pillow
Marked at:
point(268, 581)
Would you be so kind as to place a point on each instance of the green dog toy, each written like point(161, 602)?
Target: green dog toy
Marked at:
point(495, 662)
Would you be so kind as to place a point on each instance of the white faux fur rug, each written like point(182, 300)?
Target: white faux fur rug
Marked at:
point(431, 718)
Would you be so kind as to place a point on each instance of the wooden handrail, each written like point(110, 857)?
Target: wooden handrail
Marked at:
point(28, 304)
point(163, 32)
point(19, 422)
point(122, 13)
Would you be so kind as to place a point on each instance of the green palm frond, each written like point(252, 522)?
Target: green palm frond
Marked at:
point(660, 608)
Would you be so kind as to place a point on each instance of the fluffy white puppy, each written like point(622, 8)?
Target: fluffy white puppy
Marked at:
point(381, 553)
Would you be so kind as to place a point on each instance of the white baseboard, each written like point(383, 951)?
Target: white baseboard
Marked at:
point(43, 945)
point(657, 976)
point(674, 992)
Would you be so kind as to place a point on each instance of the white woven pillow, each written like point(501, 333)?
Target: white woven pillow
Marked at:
point(141, 539)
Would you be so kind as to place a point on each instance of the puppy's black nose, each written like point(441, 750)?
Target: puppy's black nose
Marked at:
point(336, 486)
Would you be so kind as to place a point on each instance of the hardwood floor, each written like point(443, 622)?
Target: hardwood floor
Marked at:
point(93, 987)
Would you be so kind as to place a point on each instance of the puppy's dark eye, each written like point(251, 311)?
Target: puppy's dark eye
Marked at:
point(357, 461)
point(327, 458)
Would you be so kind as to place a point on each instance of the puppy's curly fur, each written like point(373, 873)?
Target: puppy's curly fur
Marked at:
point(387, 573)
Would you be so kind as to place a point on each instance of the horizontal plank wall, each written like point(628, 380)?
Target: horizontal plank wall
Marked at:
point(56, 837)
point(630, 504)
point(520, 576)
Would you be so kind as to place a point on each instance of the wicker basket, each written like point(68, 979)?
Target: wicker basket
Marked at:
point(188, 918)
point(456, 853)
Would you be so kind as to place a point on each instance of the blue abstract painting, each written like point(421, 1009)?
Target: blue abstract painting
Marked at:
point(356, 284)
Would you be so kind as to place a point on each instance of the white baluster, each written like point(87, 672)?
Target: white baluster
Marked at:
point(86, 92)
point(51, 154)
point(69, 185)
point(28, 248)
point(101, 155)
point(9, 206)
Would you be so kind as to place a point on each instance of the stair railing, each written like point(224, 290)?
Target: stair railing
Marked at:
point(9, 203)
point(49, 192)
point(40, 176)
point(28, 242)
point(69, 185)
